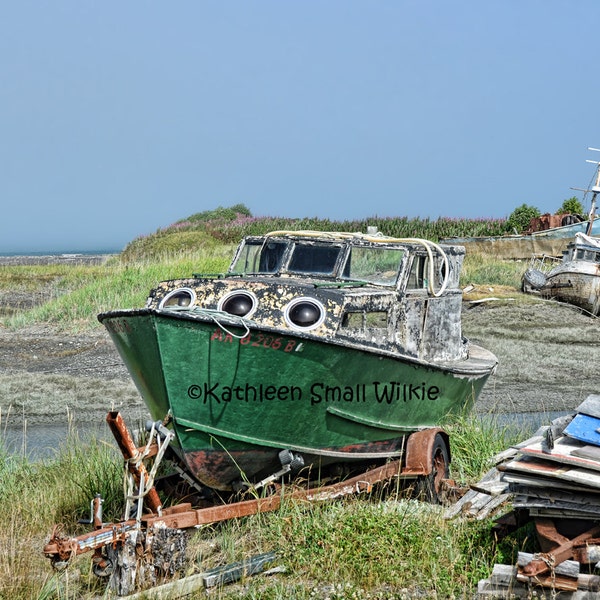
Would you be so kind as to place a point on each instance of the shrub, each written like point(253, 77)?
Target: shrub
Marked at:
point(220, 213)
point(520, 218)
point(571, 206)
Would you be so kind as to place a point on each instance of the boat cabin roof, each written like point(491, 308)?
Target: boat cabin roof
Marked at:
point(584, 248)
point(351, 257)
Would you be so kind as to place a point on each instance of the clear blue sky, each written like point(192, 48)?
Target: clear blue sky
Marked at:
point(118, 118)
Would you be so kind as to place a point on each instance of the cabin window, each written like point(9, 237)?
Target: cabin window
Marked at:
point(240, 303)
point(179, 298)
point(375, 265)
point(418, 273)
point(260, 257)
point(313, 258)
point(304, 313)
point(365, 320)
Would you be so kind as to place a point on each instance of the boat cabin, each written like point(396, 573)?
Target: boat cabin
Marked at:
point(398, 296)
point(580, 250)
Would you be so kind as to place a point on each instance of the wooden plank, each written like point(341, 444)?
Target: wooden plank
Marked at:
point(495, 488)
point(584, 428)
point(520, 501)
point(587, 451)
point(491, 483)
point(533, 481)
point(494, 503)
point(551, 513)
point(564, 451)
point(560, 473)
point(590, 406)
point(517, 591)
point(530, 502)
point(476, 499)
point(235, 571)
point(185, 586)
point(559, 495)
point(503, 575)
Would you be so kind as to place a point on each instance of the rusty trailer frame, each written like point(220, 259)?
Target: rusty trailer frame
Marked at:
point(61, 549)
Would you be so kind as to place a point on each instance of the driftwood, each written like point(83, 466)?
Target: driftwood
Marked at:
point(212, 578)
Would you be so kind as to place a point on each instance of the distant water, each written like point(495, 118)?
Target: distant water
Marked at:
point(37, 442)
point(61, 252)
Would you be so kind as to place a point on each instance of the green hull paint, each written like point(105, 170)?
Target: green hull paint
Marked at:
point(270, 391)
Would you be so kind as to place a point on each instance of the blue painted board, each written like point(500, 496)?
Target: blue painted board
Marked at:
point(584, 428)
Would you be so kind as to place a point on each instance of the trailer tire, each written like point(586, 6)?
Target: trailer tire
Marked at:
point(429, 487)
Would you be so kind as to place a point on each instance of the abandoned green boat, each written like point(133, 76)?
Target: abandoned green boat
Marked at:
point(312, 349)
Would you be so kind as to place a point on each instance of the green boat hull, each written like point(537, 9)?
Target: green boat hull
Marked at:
point(238, 396)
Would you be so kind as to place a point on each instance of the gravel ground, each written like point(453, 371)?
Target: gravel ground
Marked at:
point(546, 355)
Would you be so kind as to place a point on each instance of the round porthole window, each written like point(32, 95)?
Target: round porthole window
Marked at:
point(304, 313)
point(179, 298)
point(238, 303)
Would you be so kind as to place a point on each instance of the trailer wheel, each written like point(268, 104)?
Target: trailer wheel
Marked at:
point(429, 487)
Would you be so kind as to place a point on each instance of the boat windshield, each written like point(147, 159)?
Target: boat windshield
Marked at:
point(375, 265)
point(314, 258)
point(259, 257)
point(370, 264)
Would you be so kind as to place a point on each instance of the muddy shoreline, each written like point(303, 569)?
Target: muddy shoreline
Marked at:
point(546, 355)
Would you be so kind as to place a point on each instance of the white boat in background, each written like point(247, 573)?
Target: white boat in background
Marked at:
point(576, 278)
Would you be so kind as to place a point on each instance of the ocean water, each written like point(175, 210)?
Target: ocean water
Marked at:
point(62, 252)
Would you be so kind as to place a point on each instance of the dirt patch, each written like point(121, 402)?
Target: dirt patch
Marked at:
point(546, 355)
point(48, 377)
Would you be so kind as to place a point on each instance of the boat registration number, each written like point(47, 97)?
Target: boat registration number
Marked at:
point(258, 340)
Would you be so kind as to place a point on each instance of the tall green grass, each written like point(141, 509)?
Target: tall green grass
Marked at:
point(35, 496)
point(479, 269)
point(74, 295)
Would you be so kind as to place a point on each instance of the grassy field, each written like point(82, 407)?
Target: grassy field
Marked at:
point(381, 545)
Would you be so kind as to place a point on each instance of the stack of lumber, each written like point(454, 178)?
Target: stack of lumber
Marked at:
point(556, 473)
point(553, 477)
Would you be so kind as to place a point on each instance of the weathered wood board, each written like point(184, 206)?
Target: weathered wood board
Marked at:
point(590, 406)
point(565, 451)
point(553, 471)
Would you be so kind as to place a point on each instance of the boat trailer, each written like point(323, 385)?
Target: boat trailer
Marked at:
point(138, 551)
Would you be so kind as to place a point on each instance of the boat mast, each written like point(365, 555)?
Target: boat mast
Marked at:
point(595, 189)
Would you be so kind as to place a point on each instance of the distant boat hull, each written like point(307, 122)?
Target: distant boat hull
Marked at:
point(577, 283)
point(551, 242)
point(240, 395)
point(575, 280)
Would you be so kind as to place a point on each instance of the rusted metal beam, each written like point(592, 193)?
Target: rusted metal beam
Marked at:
point(131, 451)
point(548, 560)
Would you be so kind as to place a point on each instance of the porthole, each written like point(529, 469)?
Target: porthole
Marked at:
point(179, 298)
point(238, 303)
point(304, 313)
